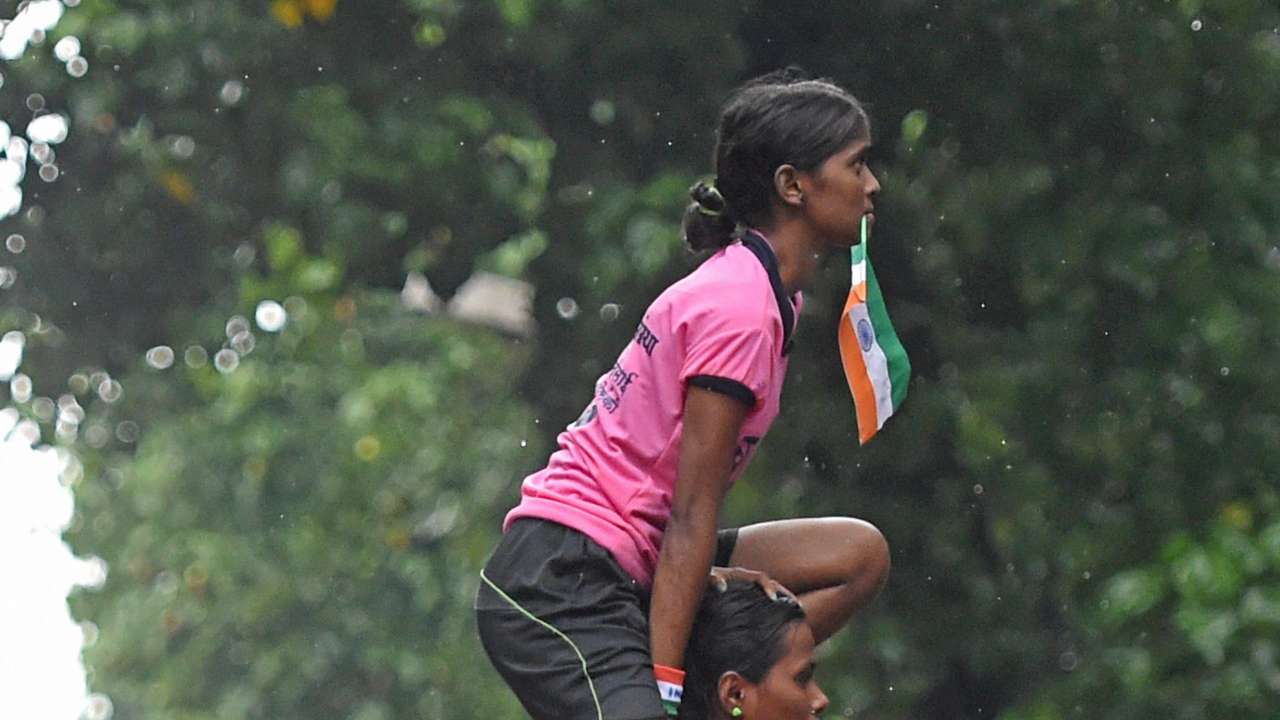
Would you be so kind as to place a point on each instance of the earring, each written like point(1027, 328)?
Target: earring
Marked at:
point(737, 712)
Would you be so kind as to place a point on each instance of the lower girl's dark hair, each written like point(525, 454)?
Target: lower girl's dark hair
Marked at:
point(739, 629)
point(780, 118)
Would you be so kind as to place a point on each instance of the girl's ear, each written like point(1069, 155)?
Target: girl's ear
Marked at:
point(732, 691)
point(786, 184)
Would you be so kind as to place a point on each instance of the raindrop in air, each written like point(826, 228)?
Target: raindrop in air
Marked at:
point(127, 432)
point(8, 276)
point(195, 356)
point(160, 357)
point(20, 388)
point(231, 92)
point(110, 391)
point(226, 361)
point(1196, 25)
point(609, 312)
point(16, 150)
point(182, 147)
point(15, 243)
point(78, 383)
point(603, 112)
point(236, 325)
point(43, 409)
point(35, 102)
point(69, 410)
point(243, 342)
point(244, 255)
point(270, 316)
point(165, 583)
point(50, 129)
point(11, 353)
point(1068, 661)
point(77, 67)
point(567, 308)
point(67, 48)
point(97, 436)
point(48, 173)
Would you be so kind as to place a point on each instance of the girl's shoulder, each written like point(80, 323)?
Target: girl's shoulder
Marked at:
point(731, 269)
point(729, 288)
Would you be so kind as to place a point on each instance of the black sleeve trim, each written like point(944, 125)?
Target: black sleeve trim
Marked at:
point(725, 386)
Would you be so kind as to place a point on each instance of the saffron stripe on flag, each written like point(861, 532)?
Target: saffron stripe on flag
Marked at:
point(855, 372)
point(877, 365)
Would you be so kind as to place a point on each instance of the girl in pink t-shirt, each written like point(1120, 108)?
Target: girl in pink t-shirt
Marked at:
point(594, 587)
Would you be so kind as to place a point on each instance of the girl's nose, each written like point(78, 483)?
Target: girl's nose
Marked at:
point(820, 702)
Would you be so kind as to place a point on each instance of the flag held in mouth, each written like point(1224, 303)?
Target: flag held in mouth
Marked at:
point(875, 363)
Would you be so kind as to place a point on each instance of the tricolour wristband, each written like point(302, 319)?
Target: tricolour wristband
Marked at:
point(670, 687)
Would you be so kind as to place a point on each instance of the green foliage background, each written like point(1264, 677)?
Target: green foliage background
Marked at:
point(1079, 237)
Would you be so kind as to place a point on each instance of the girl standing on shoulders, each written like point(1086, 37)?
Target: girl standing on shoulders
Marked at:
point(604, 562)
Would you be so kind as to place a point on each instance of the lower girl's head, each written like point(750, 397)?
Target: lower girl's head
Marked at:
point(751, 653)
point(779, 119)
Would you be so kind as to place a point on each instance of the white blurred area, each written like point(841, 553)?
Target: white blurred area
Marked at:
point(42, 676)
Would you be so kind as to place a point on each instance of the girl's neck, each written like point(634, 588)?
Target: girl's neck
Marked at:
point(797, 252)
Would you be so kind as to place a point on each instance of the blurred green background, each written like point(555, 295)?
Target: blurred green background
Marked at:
point(1079, 239)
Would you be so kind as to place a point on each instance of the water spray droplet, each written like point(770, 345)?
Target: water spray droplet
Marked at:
point(270, 316)
point(226, 361)
point(567, 308)
point(195, 356)
point(77, 67)
point(160, 357)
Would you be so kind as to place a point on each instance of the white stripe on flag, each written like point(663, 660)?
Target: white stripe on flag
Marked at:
point(670, 691)
point(876, 362)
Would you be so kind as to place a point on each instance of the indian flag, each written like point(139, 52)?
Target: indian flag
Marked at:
point(875, 363)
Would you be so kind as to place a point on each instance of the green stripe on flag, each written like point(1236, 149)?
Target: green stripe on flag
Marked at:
point(894, 352)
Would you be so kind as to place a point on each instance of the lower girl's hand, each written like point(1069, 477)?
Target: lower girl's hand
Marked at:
point(720, 576)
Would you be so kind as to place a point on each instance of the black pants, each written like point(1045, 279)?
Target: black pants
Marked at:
point(567, 628)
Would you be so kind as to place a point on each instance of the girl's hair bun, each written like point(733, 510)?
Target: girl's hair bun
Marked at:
point(707, 197)
point(707, 223)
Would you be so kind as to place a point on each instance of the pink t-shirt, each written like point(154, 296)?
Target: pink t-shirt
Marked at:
point(613, 477)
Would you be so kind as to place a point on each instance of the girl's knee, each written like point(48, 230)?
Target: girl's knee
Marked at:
point(867, 558)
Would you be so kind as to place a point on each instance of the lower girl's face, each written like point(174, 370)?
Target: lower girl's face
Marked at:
point(788, 691)
point(841, 191)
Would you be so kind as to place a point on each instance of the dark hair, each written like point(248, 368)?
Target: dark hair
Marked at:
point(784, 117)
point(738, 629)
